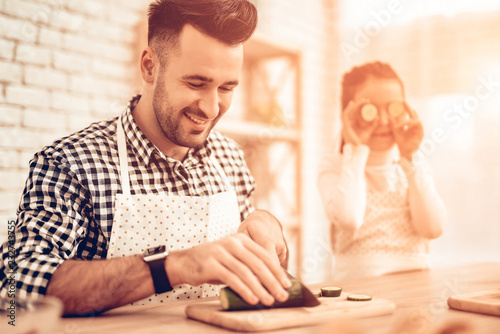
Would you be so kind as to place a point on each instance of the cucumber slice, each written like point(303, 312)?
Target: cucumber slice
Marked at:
point(369, 112)
point(359, 298)
point(317, 293)
point(331, 291)
point(396, 109)
point(231, 301)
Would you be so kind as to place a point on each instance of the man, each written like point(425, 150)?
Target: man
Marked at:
point(156, 176)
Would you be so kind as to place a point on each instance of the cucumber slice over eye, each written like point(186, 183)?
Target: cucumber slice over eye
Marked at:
point(369, 112)
point(359, 298)
point(331, 291)
point(396, 109)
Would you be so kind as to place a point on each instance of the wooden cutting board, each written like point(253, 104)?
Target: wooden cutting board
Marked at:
point(270, 319)
point(486, 302)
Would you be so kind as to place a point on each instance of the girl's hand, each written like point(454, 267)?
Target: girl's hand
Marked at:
point(355, 129)
point(408, 133)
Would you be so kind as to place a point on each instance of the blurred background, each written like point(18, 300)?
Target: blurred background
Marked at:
point(67, 63)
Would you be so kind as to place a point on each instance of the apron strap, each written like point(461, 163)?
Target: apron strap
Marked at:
point(122, 156)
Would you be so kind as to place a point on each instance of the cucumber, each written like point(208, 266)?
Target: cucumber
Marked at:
point(231, 301)
point(331, 291)
point(396, 109)
point(369, 112)
point(359, 298)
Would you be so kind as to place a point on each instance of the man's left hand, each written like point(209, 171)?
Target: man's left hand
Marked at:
point(266, 230)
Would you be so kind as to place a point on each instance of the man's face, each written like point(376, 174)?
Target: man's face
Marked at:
point(195, 87)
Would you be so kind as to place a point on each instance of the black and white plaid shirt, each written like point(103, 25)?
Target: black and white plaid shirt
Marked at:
point(66, 209)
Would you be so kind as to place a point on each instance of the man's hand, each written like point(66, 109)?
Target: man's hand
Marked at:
point(267, 231)
point(237, 261)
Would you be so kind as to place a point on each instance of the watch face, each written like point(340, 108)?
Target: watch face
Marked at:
point(154, 250)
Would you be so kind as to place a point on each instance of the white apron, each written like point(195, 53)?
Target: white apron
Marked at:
point(179, 222)
point(385, 243)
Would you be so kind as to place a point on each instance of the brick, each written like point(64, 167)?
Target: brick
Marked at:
point(66, 21)
point(124, 16)
point(86, 84)
point(36, 13)
point(118, 89)
point(6, 49)
point(9, 201)
point(43, 120)
point(110, 68)
point(98, 85)
point(109, 31)
point(26, 156)
point(51, 37)
point(70, 103)
point(10, 72)
point(70, 62)
point(116, 52)
point(33, 54)
point(17, 29)
point(76, 122)
point(105, 108)
point(10, 115)
point(139, 6)
point(18, 138)
point(8, 157)
point(12, 179)
point(45, 77)
point(89, 7)
point(50, 137)
point(81, 43)
point(29, 96)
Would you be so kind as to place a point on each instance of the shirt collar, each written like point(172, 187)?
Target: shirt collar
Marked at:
point(144, 149)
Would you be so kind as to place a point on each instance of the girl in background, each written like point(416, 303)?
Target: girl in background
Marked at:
point(378, 192)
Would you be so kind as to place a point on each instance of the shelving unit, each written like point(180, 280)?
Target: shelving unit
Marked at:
point(265, 120)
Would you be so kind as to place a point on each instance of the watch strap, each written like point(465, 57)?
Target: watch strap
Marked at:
point(159, 275)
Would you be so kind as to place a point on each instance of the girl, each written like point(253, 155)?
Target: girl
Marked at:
point(377, 191)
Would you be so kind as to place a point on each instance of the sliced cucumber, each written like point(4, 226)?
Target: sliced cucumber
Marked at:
point(231, 301)
point(396, 109)
point(331, 291)
point(369, 112)
point(359, 298)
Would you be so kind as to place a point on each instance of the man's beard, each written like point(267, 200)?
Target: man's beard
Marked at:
point(169, 121)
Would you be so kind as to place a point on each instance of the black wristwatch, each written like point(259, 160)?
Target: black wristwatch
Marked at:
point(155, 258)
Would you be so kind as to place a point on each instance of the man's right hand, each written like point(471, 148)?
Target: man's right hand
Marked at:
point(237, 261)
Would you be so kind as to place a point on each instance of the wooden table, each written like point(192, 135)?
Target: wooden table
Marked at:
point(420, 296)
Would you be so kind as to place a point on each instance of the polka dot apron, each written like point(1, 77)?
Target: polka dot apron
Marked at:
point(179, 222)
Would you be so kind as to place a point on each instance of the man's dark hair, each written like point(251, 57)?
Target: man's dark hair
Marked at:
point(359, 74)
point(229, 21)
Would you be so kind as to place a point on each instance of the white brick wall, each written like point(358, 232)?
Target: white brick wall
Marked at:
point(31, 54)
point(63, 65)
point(10, 73)
point(6, 49)
point(44, 77)
point(10, 116)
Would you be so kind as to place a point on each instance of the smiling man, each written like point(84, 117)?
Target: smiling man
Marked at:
point(154, 206)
